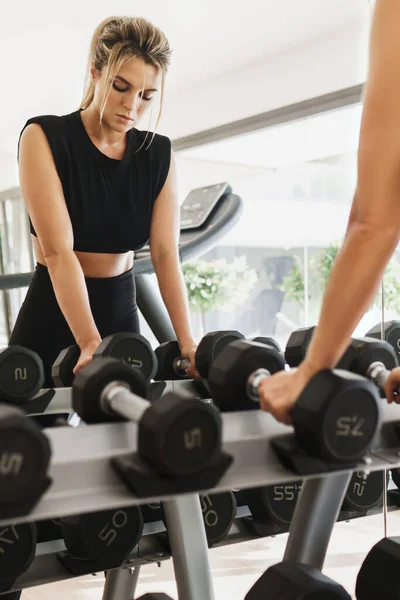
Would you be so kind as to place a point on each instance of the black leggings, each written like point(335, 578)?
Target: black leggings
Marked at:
point(41, 326)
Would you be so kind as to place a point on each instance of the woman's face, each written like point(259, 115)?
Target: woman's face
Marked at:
point(134, 90)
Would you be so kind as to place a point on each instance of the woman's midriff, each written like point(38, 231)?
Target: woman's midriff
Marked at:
point(94, 264)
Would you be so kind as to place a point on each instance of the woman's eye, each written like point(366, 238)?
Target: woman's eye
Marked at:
point(118, 89)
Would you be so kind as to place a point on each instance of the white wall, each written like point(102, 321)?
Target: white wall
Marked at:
point(318, 67)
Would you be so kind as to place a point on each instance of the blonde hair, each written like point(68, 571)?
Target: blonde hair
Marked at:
point(117, 40)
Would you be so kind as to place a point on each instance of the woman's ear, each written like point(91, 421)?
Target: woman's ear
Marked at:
point(94, 72)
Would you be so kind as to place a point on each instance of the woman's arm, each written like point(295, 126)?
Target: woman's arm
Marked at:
point(164, 238)
point(43, 194)
point(374, 226)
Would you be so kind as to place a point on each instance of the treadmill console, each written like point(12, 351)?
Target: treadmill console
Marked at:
point(199, 204)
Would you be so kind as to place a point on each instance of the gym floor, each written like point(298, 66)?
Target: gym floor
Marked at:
point(236, 567)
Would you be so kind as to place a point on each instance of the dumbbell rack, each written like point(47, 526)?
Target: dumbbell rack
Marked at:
point(83, 478)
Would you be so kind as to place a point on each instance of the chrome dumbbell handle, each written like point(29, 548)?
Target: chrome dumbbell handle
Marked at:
point(254, 381)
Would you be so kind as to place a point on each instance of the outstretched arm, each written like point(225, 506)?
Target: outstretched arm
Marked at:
point(374, 226)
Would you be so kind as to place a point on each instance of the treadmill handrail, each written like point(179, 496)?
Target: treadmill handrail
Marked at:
point(192, 242)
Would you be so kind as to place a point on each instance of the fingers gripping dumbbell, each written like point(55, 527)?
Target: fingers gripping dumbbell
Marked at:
point(368, 357)
point(130, 348)
point(331, 407)
point(171, 365)
point(175, 436)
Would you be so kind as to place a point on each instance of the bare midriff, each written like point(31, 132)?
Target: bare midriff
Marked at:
point(94, 264)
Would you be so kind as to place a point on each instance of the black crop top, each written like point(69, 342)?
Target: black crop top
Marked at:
point(109, 201)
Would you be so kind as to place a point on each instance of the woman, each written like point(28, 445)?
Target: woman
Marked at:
point(373, 230)
point(96, 189)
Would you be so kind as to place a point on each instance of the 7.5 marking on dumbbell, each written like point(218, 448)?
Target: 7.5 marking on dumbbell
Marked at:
point(349, 426)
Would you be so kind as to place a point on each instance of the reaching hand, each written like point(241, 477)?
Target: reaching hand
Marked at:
point(188, 351)
point(86, 356)
point(279, 392)
point(392, 386)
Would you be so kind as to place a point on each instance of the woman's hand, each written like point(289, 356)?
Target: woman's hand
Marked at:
point(188, 350)
point(87, 351)
point(392, 386)
point(279, 392)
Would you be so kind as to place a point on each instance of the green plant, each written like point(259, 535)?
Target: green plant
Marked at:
point(218, 284)
point(319, 268)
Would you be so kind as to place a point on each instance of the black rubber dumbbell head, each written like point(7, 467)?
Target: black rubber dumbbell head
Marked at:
point(180, 435)
point(229, 373)
point(107, 536)
point(155, 596)
point(62, 369)
point(336, 416)
point(176, 435)
point(296, 581)
point(24, 457)
point(391, 333)
point(362, 352)
point(379, 573)
point(133, 349)
point(167, 353)
point(268, 341)
point(273, 504)
point(17, 551)
point(364, 491)
point(21, 374)
point(296, 347)
point(219, 512)
point(89, 383)
point(210, 346)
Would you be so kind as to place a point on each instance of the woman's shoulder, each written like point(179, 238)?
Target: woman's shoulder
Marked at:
point(58, 123)
point(154, 142)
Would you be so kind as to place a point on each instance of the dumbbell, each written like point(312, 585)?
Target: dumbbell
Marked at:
point(172, 366)
point(379, 575)
point(332, 407)
point(391, 333)
point(268, 341)
point(275, 504)
point(271, 505)
point(155, 596)
point(364, 491)
point(296, 581)
point(371, 358)
point(17, 551)
point(21, 374)
point(131, 348)
point(219, 512)
point(24, 462)
point(106, 537)
point(175, 436)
